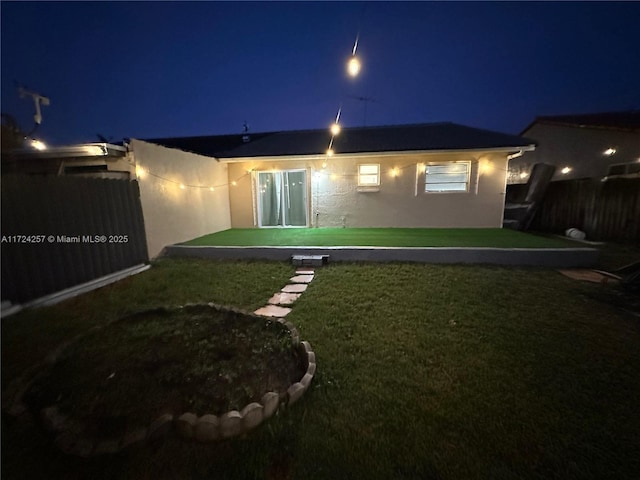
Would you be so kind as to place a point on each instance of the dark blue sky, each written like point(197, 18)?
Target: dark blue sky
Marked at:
point(154, 69)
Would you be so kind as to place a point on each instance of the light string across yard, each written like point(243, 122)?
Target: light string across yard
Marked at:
point(353, 69)
point(142, 172)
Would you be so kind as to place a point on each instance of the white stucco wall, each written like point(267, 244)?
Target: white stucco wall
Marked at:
point(335, 199)
point(173, 214)
point(579, 148)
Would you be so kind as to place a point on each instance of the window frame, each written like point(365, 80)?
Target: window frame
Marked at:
point(467, 182)
point(377, 174)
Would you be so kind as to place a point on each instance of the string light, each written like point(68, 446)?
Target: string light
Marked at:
point(38, 144)
point(142, 172)
point(394, 172)
point(354, 66)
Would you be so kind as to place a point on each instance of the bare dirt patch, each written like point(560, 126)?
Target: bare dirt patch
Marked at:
point(196, 359)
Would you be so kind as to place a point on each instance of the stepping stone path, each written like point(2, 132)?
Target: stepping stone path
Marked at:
point(287, 295)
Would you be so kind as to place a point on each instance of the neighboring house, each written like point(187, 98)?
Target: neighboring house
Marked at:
point(591, 146)
point(428, 175)
point(98, 160)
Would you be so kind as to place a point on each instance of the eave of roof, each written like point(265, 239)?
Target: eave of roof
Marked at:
point(89, 150)
point(434, 137)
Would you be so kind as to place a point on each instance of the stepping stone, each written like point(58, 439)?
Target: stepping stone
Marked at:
point(301, 279)
point(273, 311)
point(281, 298)
point(309, 260)
point(304, 271)
point(295, 288)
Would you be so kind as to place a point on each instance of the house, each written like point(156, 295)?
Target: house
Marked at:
point(592, 146)
point(424, 175)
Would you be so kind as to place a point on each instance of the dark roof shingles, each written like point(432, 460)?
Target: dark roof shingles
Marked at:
point(395, 138)
point(629, 120)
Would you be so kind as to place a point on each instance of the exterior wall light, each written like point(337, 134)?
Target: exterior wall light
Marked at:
point(609, 151)
point(565, 170)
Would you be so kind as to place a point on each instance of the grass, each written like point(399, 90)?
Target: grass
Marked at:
point(430, 372)
point(380, 237)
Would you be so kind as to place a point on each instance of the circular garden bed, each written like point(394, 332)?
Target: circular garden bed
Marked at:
point(210, 372)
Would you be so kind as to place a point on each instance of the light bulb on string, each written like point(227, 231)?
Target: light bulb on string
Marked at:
point(335, 127)
point(354, 66)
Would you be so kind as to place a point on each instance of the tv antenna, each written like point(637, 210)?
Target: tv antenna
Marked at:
point(38, 99)
point(365, 100)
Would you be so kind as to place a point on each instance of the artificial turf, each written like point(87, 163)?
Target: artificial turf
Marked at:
point(380, 237)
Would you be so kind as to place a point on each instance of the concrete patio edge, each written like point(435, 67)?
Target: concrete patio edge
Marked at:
point(541, 257)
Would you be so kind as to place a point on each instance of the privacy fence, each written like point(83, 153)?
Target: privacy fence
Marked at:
point(606, 211)
point(58, 232)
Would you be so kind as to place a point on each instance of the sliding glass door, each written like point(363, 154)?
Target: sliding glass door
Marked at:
point(282, 198)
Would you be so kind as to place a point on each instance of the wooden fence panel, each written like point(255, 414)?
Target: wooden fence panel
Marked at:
point(606, 211)
point(83, 209)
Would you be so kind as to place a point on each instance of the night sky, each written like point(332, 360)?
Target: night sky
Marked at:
point(156, 69)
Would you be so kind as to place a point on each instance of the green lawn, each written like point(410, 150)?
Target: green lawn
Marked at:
point(424, 372)
point(381, 237)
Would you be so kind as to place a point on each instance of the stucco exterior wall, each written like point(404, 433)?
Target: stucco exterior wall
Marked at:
point(173, 214)
point(579, 148)
point(335, 199)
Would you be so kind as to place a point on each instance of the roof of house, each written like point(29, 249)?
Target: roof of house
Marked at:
point(628, 120)
point(394, 138)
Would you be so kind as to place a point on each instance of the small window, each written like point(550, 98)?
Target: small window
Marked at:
point(369, 175)
point(451, 177)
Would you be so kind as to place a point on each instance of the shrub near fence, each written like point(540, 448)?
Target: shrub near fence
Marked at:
point(608, 210)
point(54, 231)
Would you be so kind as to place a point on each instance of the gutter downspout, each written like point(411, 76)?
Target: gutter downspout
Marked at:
point(515, 155)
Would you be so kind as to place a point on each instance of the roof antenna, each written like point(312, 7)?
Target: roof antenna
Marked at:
point(38, 100)
point(245, 130)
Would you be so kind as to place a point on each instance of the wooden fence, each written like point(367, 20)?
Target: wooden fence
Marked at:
point(607, 211)
point(58, 232)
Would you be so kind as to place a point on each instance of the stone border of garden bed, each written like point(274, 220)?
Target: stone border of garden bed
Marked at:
point(206, 428)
